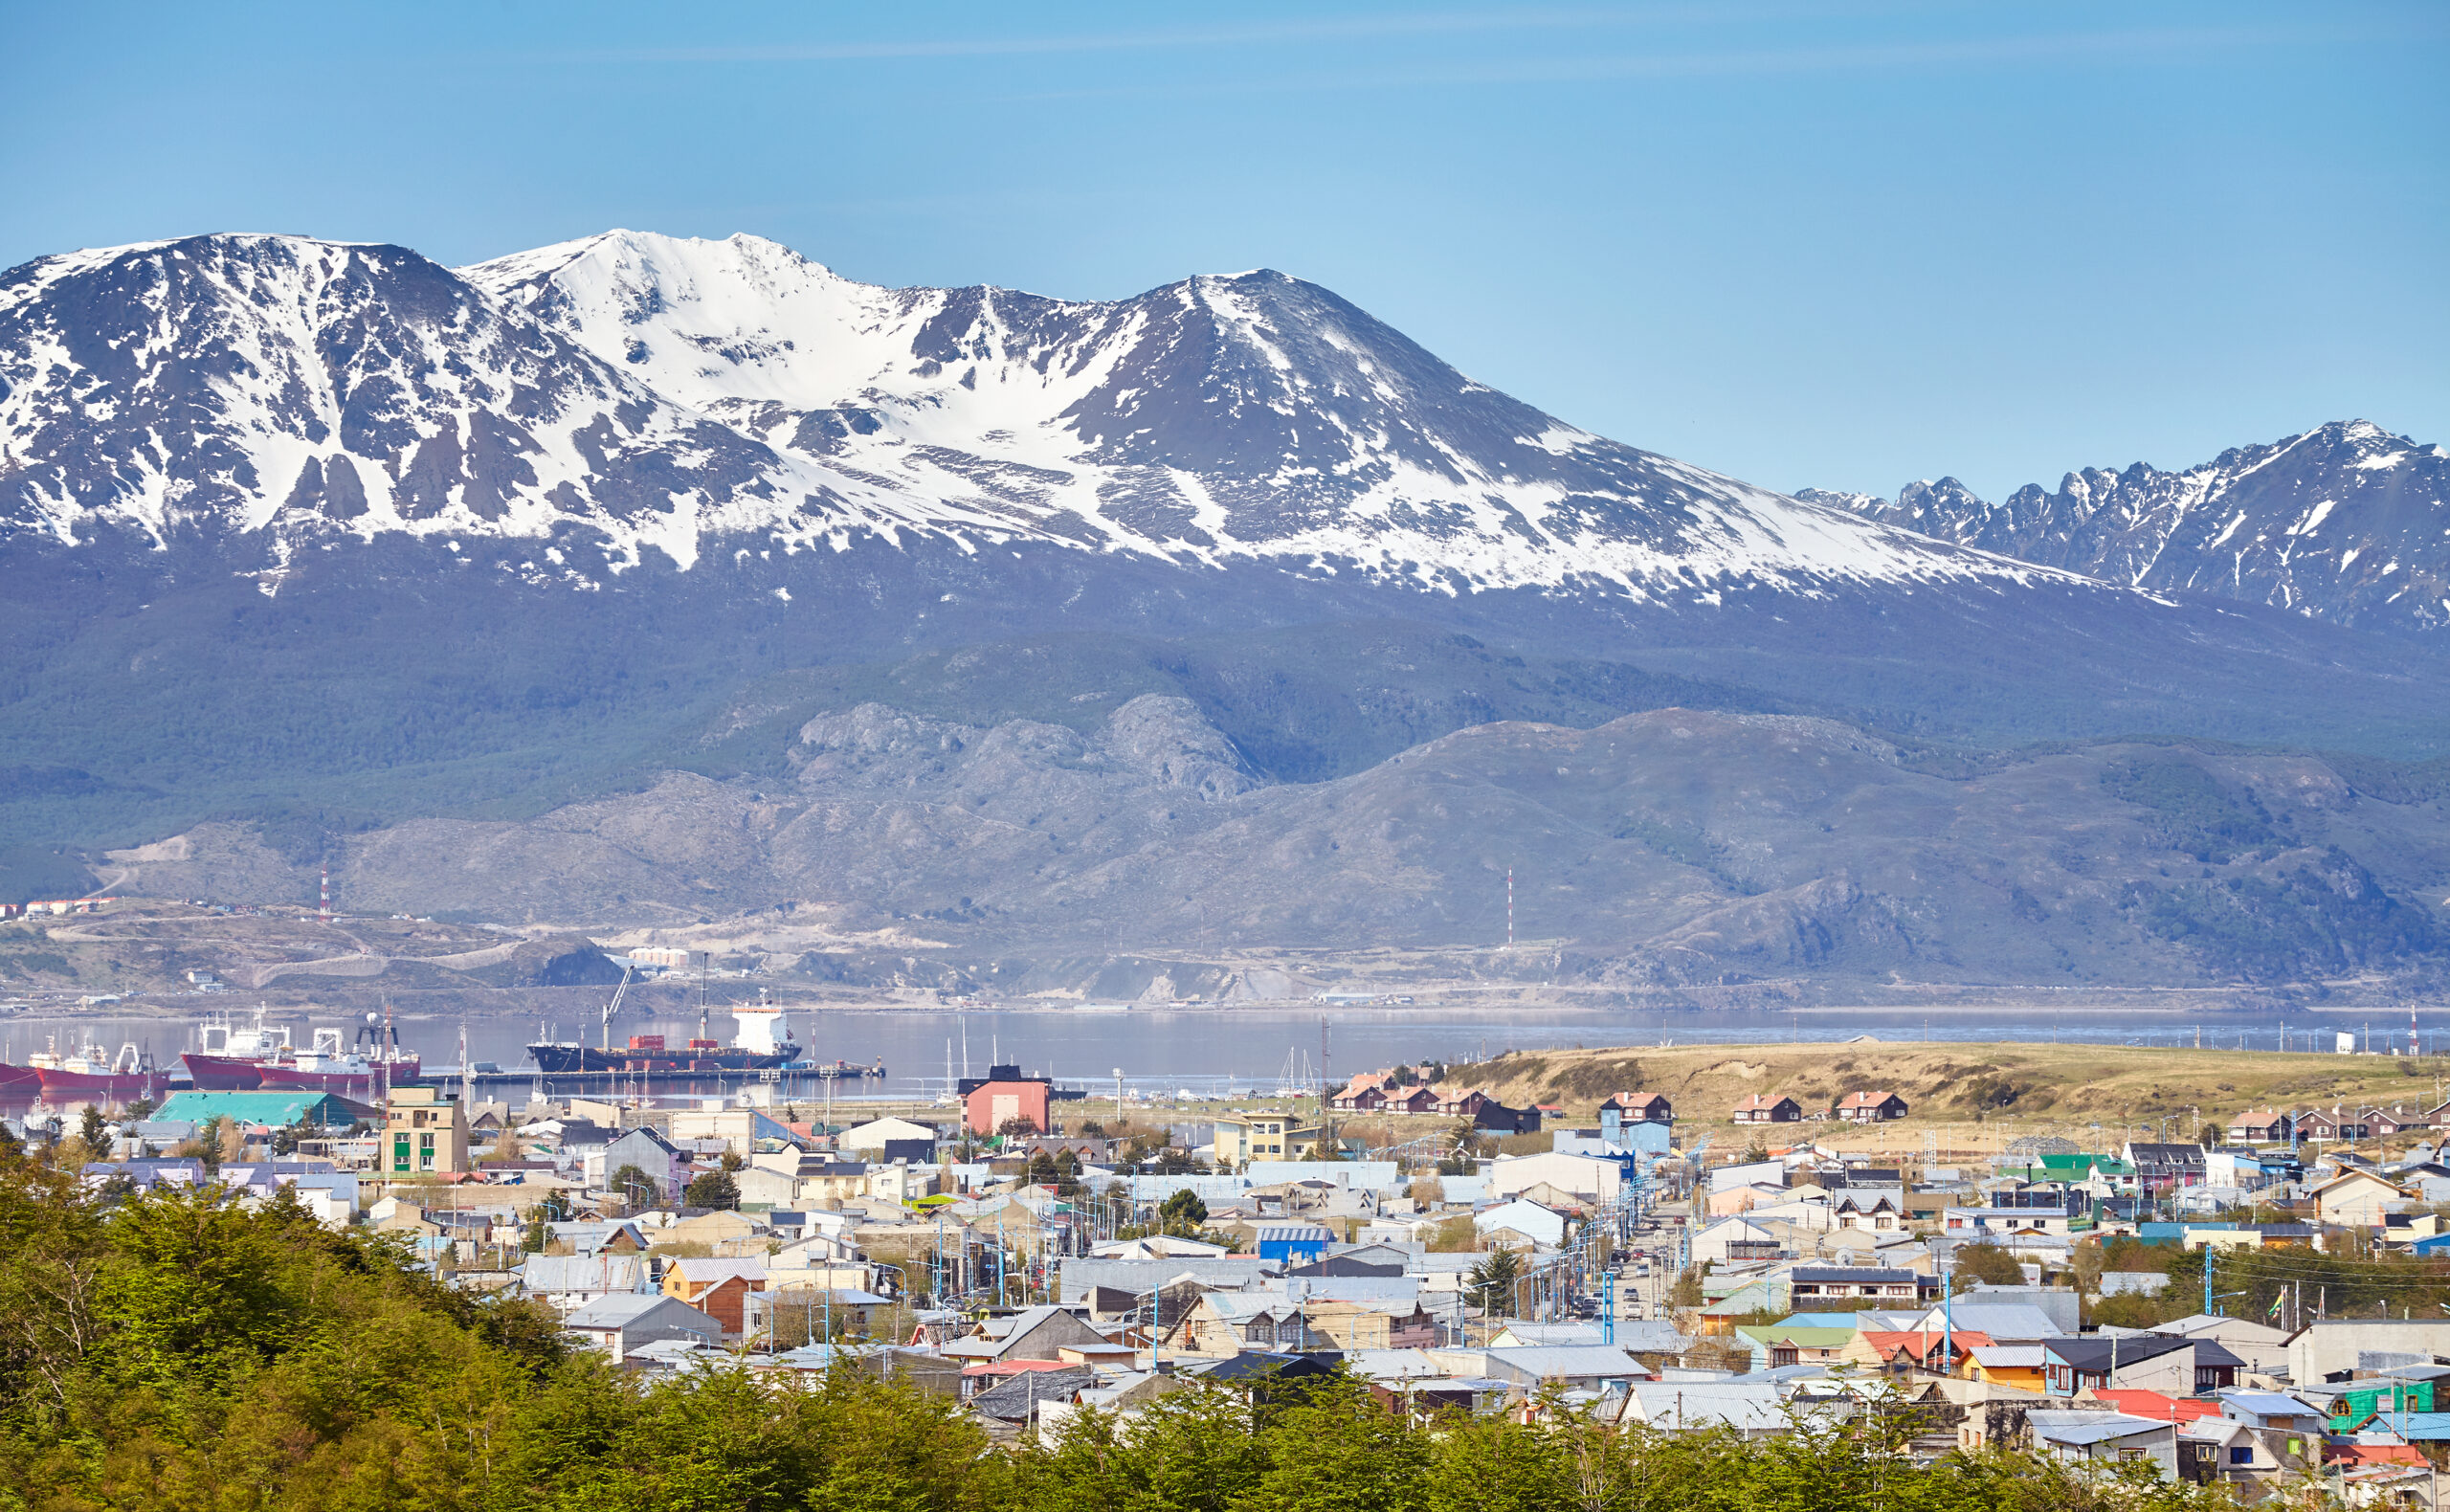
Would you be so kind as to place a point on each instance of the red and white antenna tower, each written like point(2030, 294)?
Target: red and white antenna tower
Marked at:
point(1509, 908)
point(326, 914)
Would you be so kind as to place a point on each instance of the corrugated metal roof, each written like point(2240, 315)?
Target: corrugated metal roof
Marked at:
point(583, 1273)
point(1565, 1362)
point(2269, 1403)
point(277, 1108)
point(2089, 1428)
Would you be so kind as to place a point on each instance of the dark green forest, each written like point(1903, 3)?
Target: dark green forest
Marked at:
point(177, 1351)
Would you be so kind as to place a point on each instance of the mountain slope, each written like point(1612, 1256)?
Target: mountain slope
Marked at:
point(285, 391)
point(1214, 418)
point(1656, 852)
point(634, 390)
point(2344, 522)
point(331, 537)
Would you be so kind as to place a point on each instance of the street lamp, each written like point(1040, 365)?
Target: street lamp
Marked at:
point(887, 1265)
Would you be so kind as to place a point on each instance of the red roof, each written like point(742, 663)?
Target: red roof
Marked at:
point(2372, 1454)
point(1922, 1345)
point(2138, 1403)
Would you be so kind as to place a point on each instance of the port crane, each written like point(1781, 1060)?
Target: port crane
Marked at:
point(604, 1040)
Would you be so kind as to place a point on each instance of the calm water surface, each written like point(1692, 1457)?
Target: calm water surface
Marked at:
point(1245, 1049)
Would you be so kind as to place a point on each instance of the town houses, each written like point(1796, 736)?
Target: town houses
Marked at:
point(1454, 1254)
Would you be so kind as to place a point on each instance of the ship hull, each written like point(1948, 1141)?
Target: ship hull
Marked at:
point(222, 1073)
point(96, 1086)
point(564, 1059)
point(19, 1086)
point(278, 1078)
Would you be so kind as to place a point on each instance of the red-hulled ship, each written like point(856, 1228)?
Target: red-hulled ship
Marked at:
point(19, 1086)
point(93, 1075)
point(370, 1067)
point(231, 1059)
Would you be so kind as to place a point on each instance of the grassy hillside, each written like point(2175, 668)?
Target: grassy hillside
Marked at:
point(1979, 1095)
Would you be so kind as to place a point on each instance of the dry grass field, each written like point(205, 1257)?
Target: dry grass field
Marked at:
point(1975, 1097)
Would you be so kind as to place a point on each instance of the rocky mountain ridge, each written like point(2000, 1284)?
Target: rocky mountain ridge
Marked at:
point(2345, 523)
point(631, 393)
point(1653, 852)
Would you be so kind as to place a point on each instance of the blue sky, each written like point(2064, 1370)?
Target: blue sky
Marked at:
point(1825, 243)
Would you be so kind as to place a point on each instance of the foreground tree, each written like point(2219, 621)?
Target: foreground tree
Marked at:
point(178, 1350)
point(714, 1188)
point(1490, 1284)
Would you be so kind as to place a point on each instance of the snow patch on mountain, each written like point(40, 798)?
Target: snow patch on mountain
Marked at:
point(2344, 522)
point(631, 393)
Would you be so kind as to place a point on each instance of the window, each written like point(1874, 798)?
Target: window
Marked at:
point(2242, 1453)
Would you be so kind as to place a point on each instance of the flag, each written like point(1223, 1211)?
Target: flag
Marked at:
point(2275, 1308)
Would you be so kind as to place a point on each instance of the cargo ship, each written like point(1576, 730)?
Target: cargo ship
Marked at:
point(262, 1059)
point(93, 1075)
point(229, 1058)
point(371, 1066)
point(763, 1042)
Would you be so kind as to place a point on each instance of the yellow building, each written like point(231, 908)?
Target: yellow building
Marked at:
point(1244, 1138)
point(2010, 1365)
point(424, 1132)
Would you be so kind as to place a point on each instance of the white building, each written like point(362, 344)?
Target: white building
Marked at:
point(1586, 1176)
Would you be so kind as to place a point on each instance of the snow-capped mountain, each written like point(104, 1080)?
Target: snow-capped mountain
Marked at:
point(270, 385)
point(2345, 523)
point(630, 391)
point(332, 535)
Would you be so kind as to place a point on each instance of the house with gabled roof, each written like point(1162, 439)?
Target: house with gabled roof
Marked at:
point(1892, 1352)
point(2262, 1126)
point(1641, 1107)
point(2153, 1362)
point(718, 1288)
point(2159, 1167)
point(621, 1323)
point(1762, 1108)
point(567, 1282)
point(2100, 1435)
point(2359, 1198)
point(1365, 1093)
point(1869, 1107)
point(1034, 1333)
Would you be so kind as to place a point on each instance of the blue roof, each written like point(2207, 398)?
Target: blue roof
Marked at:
point(2419, 1427)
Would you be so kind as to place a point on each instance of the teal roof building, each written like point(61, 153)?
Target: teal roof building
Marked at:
point(275, 1109)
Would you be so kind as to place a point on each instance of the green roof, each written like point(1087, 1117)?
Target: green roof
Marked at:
point(2070, 1166)
point(324, 1109)
point(1744, 1298)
